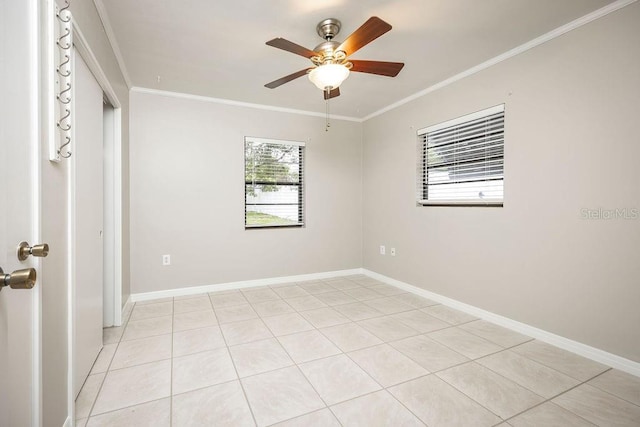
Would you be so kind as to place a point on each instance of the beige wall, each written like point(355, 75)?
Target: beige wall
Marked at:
point(572, 108)
point(187, 195)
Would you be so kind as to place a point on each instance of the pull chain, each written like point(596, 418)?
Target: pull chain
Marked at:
point(327, 125)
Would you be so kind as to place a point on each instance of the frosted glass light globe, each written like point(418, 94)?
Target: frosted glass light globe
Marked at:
point(328, 76)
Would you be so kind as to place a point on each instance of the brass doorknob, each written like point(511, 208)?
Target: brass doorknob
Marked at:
point(24, 250)
point(19, 279)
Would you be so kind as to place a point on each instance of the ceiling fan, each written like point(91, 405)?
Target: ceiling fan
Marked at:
point(331, 63)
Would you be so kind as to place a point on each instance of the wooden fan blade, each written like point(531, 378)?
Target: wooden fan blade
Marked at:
point(286, 79)
point(368, 32)
point(389, 69)
point(285, 44)
point(332, 94)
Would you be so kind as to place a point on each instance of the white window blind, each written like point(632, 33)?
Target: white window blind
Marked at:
point(274, 183)
point(461, 161)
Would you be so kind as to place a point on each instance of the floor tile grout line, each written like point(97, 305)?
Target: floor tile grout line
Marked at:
point(522, 385)
point(384, 387)
point(305, 414)
point(456, 351)
point(402, 403)
point(608, 392)
point(337, 345)
point(469, 397)
point(244, 392)
point(485, 338)
point(95, 399)
point(330, 306)
point(550, 400)
point(320, 358)
point(382, 339)
point(106, 373)
point(110, 411)
point(580, 382)
point(233, 363)
point(299, 311)
point(545, 400)
point(551, 367)
point(605, 391)
point(405, 355)
point(120, 340)
point(297, 365)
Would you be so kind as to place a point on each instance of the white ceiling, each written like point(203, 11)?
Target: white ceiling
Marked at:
point(217, 48)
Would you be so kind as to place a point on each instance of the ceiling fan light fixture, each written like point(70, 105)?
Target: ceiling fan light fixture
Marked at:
point(328, 76)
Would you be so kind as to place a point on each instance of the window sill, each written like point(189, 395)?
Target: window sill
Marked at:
point(258, 227)
point(462, 203)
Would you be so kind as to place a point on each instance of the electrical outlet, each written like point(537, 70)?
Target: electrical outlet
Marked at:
point(383, 250)
point(393, 252)
point(166, 259)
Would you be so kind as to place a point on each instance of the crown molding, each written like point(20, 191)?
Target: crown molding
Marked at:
point(111, 36)
point(239, 103)
point(577, 23)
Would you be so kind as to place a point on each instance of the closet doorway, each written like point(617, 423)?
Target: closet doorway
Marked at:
point(94, 214)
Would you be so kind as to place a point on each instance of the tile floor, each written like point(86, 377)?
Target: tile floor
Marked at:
point(347, 351)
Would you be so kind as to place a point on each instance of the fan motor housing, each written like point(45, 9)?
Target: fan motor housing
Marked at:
point(327, 48)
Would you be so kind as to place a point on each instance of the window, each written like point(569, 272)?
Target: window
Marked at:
point(461, 161)
point(273, 183)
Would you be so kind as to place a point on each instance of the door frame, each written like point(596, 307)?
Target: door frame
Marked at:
point(84, 50)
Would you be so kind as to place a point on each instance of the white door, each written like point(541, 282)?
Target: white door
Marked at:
point(19, 336)
point(88, 248)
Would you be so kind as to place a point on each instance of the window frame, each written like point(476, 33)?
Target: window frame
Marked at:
point(299, 184)
point(421, 181)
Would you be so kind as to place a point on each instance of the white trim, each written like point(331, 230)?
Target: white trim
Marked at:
point(146, 296)
point(36, 82)
point(84, 50)
point(108, 215)
point(68, 422)
point(71, 270)
point(71, 275)
point(584, 350)
point(273, 141)
point(111, 36)
point(576, 23)
point(487, 202)
point(462, 119)
point(117, 223)
point(239, 103)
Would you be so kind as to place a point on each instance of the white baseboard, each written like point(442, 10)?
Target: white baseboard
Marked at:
point(146, 296)
point(584, 350)
point(68, 422)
